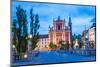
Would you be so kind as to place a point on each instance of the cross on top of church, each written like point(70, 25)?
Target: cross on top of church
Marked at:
point(58, 17)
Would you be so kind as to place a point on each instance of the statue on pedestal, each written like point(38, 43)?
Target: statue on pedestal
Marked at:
point(76, 45)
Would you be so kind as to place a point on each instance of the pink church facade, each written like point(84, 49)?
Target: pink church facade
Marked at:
point(59, 32)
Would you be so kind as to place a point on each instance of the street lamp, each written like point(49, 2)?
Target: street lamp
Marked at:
point(87, 42)
point(30, 36)
point(86, 36)
point(13, 46)
point(30, 43)
point(25, 56)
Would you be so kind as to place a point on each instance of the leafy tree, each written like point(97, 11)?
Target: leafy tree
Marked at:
point(74, 37)
point(79, 37)
point(31, 22)
point(34, 25)
point(52, 46)
point(14, 31)
point(67, 45)
point(22, 30)
point(64, 46)
point(25, 29)
point(61, 42)
point(80, 43)
point(35, 32)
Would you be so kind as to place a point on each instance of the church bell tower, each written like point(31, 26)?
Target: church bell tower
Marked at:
point(70, 28)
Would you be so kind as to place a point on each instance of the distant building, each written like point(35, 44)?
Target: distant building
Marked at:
point(58, 32)
point(92, 35)
point(89, 36)
point(43, 42)
point(84, 38)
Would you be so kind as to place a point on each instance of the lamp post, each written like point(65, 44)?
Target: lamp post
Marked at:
point(25, 56)
point(14, 52)
point(86, 37)
point(87, 42)
point(13, 46)
point(30, 36)
point(30, 43)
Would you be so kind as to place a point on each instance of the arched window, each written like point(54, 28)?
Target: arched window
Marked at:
point(58, 27)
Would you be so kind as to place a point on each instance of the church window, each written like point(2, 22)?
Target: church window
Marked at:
point(58, 27)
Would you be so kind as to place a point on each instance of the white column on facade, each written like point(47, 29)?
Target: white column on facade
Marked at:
point(49, 37)
point(62, 31)
point(64, 35)
point(55, 37)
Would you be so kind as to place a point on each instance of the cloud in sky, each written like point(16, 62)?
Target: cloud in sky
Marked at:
point(81, 15)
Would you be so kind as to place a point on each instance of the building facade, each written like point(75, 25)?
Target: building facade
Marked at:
point(43, 42)
point(89, 37)
point(58, 32)
point(92, 36)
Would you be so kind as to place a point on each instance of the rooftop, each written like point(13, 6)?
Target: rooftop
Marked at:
point(59, 19)
point(43, 36)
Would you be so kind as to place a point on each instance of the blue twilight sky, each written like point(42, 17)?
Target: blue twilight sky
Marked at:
point(81, 16)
